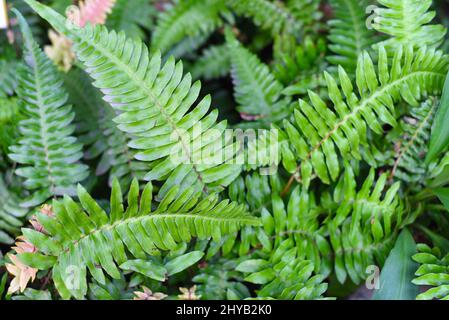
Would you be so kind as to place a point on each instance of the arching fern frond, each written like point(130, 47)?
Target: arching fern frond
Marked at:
point(317, 131)
point(348, 34)
point(48, 153)
point(82, 237)
point(154, 102)
point(433, 272)
point(187, 18)
point(256, 90)
point(407, 23)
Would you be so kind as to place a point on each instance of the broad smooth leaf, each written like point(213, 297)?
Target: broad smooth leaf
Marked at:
point(398, 272)
point(439, 138)
point(181, 263)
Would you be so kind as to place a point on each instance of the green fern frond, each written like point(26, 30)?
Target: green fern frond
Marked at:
point(433, 272)
point(349, 36)
point(48, 154)
point(11, 214)
point(407, 23)
point(8, 78)
point(85, 237)
point(409, 163)
point(99, 134)
point(153, 101)
point(268, 15)
point(284, 276)
point(187, 18)
point(256, 90)
point(133, 17)
point(317, 131)
point(215, 62)
point(9, 117)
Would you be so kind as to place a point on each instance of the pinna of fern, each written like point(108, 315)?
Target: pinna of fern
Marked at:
point(316, 132)
point(47, 152)
point(153, 100)
point(90, 237)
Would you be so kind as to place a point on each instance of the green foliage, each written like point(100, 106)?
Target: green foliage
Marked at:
point(91, 237)
point(316, 131)
point(256, 90)
point(407, 23)
point(188, 18)
point(303, 176)
point(433, 272)
point(133, 17)
point(397, 274)
point(348, 35)
point(46, 149)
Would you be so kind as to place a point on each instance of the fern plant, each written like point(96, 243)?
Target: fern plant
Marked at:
point(323, 160)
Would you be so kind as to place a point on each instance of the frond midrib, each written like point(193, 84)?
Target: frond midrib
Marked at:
point(364, 102)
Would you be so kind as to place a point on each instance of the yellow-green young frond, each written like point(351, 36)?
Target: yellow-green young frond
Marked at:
point(317, 131)
point(186, 19)
point(11, 214)
point(157, 106)
point(47, 153)
point(257, 92)
point(433, 272)
point(84, 237)
point(268, 15)
point(407, 23)
point(348, 35)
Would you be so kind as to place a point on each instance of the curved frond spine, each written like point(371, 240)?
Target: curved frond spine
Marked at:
point(317, 132)
point(48, 153)
point(92, 238)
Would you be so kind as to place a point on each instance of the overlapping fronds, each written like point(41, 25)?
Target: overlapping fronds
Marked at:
point(99, 134)
point(187, 19)
point(433, 272)
point(92, 238)
point(47, 152)
point(256, 90)
point(407, 22)
point(317, 131)
point(349, 35)
point(409, 165)
point(154, 101)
